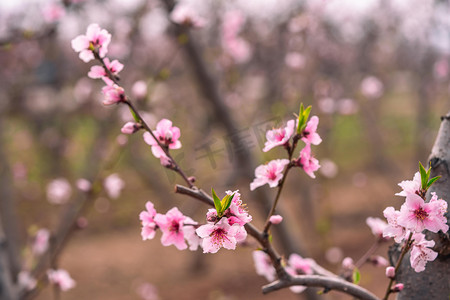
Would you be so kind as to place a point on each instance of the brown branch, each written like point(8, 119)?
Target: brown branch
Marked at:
point(329, 283)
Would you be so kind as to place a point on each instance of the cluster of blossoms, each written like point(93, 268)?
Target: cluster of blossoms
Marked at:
point(224, 231)
point(94, 45)
point(296, 265)
point(272, 172)
point(406, 225)
point(59, 278)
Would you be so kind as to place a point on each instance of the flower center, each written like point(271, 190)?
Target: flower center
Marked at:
point(175, 226)
point(420, 213)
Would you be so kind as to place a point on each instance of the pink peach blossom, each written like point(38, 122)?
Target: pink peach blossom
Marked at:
point(393, 229)
point(270, 173)
point(410, 186)
point(61, 278)
point(416, 215)
point(148, 223)
point(421, 252)
point(166, 134)
point(372, 87)
point(307, 161)
point(130, 127)
point(26, 281)
point(171, 225)
point(310, 134)
point(96, 39)
point(377, 226)
point(218, 235)
point(113, 94)
point(390, 272)
point(99, 71)
point(279, 137)
point(263, 265)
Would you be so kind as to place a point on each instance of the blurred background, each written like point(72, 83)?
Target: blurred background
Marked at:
point(376, 73)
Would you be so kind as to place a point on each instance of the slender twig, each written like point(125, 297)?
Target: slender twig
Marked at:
point(405, 249)
point(127, 100)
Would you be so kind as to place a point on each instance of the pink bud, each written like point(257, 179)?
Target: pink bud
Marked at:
point(130, 128)
point(398, 287)
point(390, 272)
point(84, 185)
point(347, 263)
point(379, 261)
point(276, 219)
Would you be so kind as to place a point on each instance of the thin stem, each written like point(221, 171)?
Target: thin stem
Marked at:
point(402, 255)
point(130, 105)
point(369, 252)
point(290, 151)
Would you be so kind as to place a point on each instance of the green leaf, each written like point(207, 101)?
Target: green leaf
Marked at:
point(217, 203)
point(135, 117)
point(432, 180)
point(356, 276)
point(303, 116)
point(423, 176)
point(226, 202)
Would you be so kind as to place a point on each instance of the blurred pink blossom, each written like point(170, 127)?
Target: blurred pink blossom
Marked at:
point(26, 281)
point(295, 60)
point(113, 185)
point(271, 173)
point(328, 168)
point(83, 185)
point(184, 14)
point(238, 48)
point(327, 105)
point(53, 12)
point(347, 263)
point(130, 128)
point(61, 278)
point(96, 39)
point(139, 89)
point(147, 291)
point(347, 106)
point(441, 68)
point(41, 242)
point(113, 94)
point(59, 191)
point(377, 226)
point(372, 87)
point(263, 265)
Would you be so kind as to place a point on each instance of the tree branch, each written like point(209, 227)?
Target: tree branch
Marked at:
point(329, 283)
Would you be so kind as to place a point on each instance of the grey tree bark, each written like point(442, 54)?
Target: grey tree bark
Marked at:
point(434, 282)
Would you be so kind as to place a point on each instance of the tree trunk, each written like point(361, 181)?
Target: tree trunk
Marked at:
point(434, 282)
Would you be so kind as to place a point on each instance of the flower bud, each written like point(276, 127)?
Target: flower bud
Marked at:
point(390, 272)
point(398, 287)
point(276, 219)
